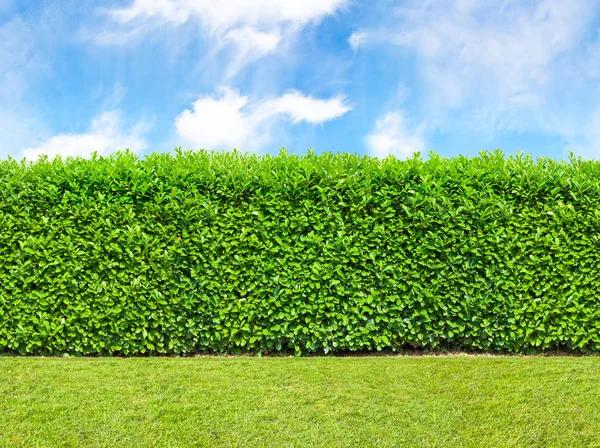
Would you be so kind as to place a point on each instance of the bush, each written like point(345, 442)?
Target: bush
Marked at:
point(225, 252)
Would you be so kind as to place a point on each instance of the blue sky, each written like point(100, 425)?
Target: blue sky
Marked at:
point(376, 77)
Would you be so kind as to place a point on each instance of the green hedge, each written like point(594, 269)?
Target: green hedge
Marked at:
point(225, 252)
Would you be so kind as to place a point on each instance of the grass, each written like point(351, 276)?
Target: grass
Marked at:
point(351, 401)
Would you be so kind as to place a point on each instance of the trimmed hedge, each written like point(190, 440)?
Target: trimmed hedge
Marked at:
point(225, 252)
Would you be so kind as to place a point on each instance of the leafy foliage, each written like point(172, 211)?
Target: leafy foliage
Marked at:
point(226, 252)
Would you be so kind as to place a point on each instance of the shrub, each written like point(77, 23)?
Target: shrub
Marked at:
point(226, 252)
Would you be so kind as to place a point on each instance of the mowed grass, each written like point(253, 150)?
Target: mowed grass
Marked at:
point(350, 401)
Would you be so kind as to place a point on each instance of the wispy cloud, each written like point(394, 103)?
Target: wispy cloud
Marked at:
point(229, 120)
point(106, 134)
point(223, 15)
point(500, 52)
point(25, 57)
point(357, 39)
point(253, 28)
point(251, 45)
point(492, 66)
point(20, 57)
point(394, 136)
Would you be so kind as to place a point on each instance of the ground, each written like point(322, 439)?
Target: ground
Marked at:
point(478, 401)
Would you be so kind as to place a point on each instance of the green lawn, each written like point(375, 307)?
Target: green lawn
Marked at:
point(362, 401)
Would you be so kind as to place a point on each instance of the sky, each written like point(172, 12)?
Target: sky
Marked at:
point(377, 77)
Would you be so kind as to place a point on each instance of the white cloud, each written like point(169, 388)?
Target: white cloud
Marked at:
point(105, 135)
point(393, 136)
point(216, 123)
point(228, 121)
point(304, 108)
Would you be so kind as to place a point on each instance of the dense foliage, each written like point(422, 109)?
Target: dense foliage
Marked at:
point(224, 252)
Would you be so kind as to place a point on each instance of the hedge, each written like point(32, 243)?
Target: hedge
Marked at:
point(195, 252)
